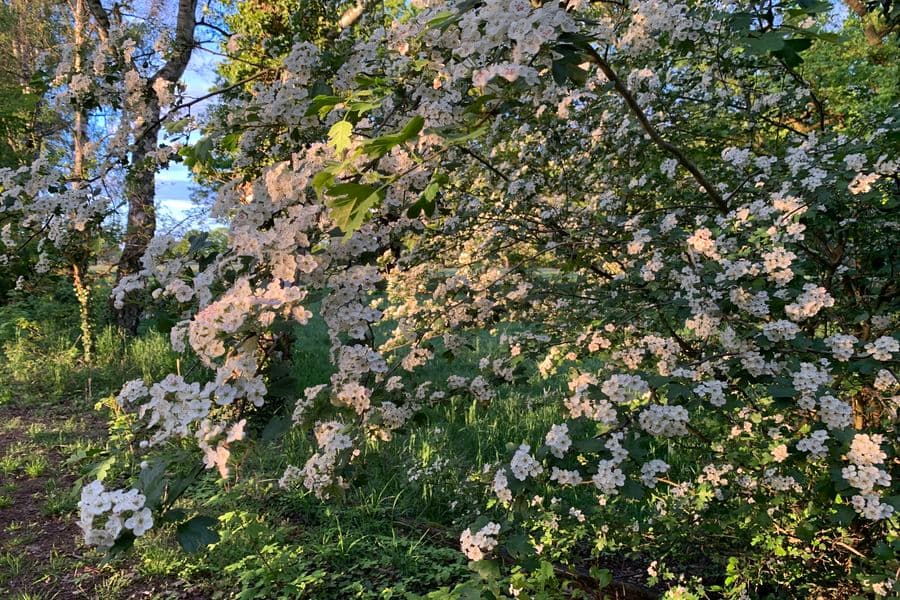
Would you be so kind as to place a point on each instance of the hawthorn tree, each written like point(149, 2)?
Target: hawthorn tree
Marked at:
point(658, 196)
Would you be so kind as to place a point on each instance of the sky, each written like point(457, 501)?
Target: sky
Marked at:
point(173, 184)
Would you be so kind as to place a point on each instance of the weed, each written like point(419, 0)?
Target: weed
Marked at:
point(59, 501)
point(11, 564)
point(36, 466)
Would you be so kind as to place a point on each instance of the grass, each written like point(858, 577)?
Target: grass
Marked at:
point(387, 538)
point(394, 534)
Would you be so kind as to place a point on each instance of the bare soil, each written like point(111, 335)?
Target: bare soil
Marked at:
point(41, 553)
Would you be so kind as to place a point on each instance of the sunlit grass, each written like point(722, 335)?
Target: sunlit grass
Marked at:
point(389, 531)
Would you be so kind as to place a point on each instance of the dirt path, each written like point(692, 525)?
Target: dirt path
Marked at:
point(41, 554)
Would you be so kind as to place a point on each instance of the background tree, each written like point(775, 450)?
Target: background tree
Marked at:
point(878, 19)
point(152, 85)
point(30, 36)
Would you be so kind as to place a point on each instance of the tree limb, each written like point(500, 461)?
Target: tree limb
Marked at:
point(873, 37)
point(183, 44)
point(101, 17)
point(670, 148)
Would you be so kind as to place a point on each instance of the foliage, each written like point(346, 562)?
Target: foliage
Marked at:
point(689, 224)
point(617, 279)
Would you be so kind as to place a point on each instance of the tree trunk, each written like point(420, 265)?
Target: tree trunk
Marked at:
point(79, 138)
point(140, 189)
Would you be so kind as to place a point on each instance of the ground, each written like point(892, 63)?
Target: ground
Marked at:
point(42, 555)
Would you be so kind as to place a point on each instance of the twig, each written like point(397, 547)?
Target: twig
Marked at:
point(676, 152)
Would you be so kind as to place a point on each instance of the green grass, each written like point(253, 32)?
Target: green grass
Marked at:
point(40, 342)
point(11, 564)
point(59, 500)
point(388, 537)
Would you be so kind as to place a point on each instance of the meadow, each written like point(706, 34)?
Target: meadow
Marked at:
point(394, 535)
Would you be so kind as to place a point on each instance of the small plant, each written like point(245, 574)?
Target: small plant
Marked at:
point(60, 501)
point(11, 564)
point(9, 464)
point(36, 466)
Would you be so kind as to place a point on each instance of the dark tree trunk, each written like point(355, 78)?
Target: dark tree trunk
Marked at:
point(140, 190)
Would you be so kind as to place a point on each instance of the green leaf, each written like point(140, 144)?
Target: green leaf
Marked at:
point(519, 547)
point(741, 21)
point(321, 180)
point(577, 38)
point(633, 489)
point(362, 107)
point(383, 144)
point(100, 470)
point(426, 202)
point(275, 428)
point(566, 67)
point(455, 138)
point(470, 590)
point(767, 42)
point(884, 551)
point(172, 515)
point(197, 155)
point(589, 445)
point(676, 390)
point(122, 544)
point(843, 515)
point(322, 105)
point(782, 391)
point(790, 54)
point(202, 149)
point(199, 242)
point(197, 533)
point(339, 135)
point(441, 19)
point(152, 481)
point(488, 570)
point(603, 576)
point(815, 6)
point(565, 70)
point(806, 531)
point(350, 203)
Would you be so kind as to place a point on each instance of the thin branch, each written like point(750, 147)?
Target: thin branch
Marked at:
point(485, 162)
point(199, 99)
point(648, 127)
point(216, 28)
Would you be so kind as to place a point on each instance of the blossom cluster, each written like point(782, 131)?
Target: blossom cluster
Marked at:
point(123, 509)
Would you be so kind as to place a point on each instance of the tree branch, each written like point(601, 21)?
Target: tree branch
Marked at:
point(216, 28)
point(350, 17)
point(873, 37)
point(101, 17)
point(183, 44)
point(676, 152)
